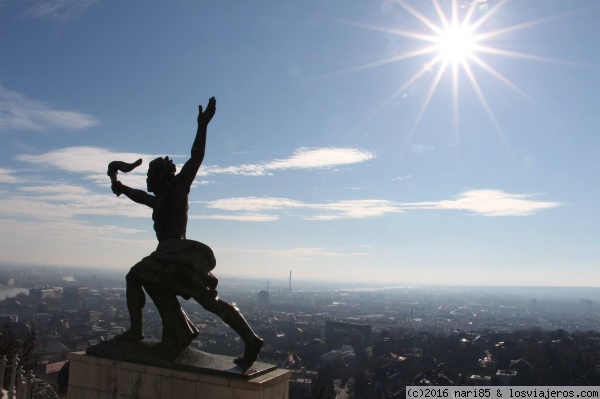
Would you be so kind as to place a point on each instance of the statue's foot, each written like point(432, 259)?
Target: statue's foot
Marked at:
point(131, 335)
point(251, 351)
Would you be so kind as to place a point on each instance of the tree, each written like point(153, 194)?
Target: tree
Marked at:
point(23, 348)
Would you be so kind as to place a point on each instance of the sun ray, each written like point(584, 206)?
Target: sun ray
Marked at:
point(432, 89)
point(488, 109)
point(397, 32)
point(488, 14)
point(454, 13)
point(531, 24)
point(421, 18)
point(507, 82)
point(469, 15)
point(455, 102)
point(412, 54)
point(525, 56)
point(441, 15)
point(427, 67)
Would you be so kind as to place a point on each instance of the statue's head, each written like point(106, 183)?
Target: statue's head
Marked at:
point(160, 172)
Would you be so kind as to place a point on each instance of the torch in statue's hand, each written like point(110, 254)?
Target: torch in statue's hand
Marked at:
point(113, 169)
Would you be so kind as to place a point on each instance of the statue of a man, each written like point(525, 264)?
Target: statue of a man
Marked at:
point(178, 267)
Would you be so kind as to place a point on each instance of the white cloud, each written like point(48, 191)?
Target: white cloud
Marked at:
point(6, 176)
point(60, 202)
point(303, 158)
point(493, 203)
point(248, 217)
point(94, 161)
point(18, 112)
point(82, 159)
point(254, 204)
point(481, 202)
point(246, 170)
point(355, 209)
point(313, 158)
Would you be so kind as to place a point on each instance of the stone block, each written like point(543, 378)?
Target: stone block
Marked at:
point(213, 391)
point(177, 388)
point(100, 378)
point(84, 375)
point(239, 393)
point(145, 386)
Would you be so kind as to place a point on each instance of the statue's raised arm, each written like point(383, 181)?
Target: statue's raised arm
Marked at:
point(190, 169)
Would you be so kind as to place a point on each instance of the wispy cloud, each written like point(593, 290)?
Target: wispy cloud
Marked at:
point(94, 160)
point(480, 202)
point(82, 159)
point(356, 209)
point(255, 204)
point(303, 158)
point(92, 163)
point(60, 202)
point(7, 176)
point(63, 10)
point(20, 113)
point(59, 212)
point(491, 203)
point(248, 217)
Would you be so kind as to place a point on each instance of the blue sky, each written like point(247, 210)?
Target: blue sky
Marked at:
point(350, 143)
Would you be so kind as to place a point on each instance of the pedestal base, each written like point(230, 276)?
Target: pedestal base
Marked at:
point(148, 352)
point(92, 377)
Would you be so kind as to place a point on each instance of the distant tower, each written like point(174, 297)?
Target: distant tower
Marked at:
point(290, 287)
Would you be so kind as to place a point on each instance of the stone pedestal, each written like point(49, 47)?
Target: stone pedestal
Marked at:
point(92, 377)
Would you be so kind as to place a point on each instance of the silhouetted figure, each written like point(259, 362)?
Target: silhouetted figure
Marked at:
point(178, 266)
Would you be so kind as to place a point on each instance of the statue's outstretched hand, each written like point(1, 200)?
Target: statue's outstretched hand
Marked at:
point(117, 188)
point(205, 117)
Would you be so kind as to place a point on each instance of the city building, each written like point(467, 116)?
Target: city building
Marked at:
point(341, 332)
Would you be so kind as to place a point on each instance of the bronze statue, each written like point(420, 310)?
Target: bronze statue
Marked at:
point(178, 267)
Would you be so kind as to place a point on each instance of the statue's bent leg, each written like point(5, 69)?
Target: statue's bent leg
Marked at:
point(234, 319)
point(178, 330)
point(136, 299)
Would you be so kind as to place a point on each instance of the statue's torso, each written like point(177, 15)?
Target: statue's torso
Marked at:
point(170, 212)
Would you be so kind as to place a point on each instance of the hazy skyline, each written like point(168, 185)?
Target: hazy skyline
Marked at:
point(352, 140)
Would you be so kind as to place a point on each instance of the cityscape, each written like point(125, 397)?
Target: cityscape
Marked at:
point(339, 340)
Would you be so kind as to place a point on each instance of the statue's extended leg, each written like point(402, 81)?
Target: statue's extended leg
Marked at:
point(234, 319)
point(178, 330)
point(136, 299)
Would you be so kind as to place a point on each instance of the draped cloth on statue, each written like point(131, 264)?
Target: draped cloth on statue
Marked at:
point(182, 266)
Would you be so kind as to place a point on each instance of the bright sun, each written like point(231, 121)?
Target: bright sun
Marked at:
point(456, 43)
